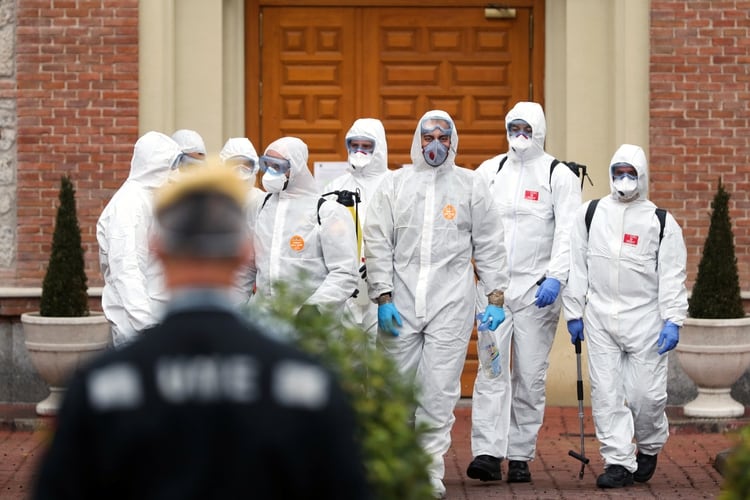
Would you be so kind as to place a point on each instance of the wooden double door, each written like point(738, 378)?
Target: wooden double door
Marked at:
point(314, 69)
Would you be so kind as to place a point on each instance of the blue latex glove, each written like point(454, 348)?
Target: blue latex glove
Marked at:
point(668, 337)
point(495, 315)
point(387, 314)
point(547, 292)
point(575, 329)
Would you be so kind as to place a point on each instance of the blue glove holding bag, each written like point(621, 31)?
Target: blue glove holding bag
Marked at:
point(495, 315)
point(547, 292)
point(387, 315)
point(575, 329)
point(669, 337)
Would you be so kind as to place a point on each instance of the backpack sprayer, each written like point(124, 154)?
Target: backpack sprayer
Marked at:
point(351, 200)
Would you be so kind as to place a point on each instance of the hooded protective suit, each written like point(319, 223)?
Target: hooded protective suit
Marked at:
point(134, 292)
point(625, 285)
point(292, 247)
point(536, 213)
point(241, 147)
point(424, 226)
point(189, 141)
point(366, 180)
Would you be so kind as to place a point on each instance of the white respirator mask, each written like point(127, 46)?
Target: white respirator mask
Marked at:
point(273, 182)
point(359, 159)
point(626, 187)
point(519, 143)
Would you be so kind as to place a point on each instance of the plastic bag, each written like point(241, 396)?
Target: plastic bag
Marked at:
point(489, 354)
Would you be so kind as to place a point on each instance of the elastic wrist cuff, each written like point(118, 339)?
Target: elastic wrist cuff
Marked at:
point(384, 298)
point(496, 298)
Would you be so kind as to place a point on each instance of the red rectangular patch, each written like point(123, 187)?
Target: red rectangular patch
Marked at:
point(531, 195)
point(630, 239)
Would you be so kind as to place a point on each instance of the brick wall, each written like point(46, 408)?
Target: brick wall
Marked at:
point(77, 101)
point(700, 117)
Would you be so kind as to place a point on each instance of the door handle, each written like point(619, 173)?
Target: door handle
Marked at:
point(494, 12)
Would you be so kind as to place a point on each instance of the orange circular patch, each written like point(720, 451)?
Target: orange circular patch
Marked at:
point(296, 243)
point(449, 212)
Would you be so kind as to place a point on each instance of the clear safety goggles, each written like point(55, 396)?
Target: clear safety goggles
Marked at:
point(360, 145)
point(242, 164)
point(276, 165)
point(186, 160)
point(430, 124)
point(623, 170)
point(517, 127)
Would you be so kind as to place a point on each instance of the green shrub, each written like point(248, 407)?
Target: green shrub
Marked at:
point(737, 471)
point(716, 292)
point(64, 289)
point(396, 464)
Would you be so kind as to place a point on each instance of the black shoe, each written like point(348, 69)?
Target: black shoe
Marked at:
point(518, 472)
point(616, 476)
point(646, 467)
point(485, 468)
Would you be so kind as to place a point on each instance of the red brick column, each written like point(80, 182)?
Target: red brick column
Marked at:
point(77, 74)
point(700, 117)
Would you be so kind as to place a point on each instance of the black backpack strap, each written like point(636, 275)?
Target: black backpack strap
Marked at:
point(264, 201)
point(502, 162)
point(321, 200)
point(579, 169)
point(661, 214)
point(590, 213)
point(552, 169)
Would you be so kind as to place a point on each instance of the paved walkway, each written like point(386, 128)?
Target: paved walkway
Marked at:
point(685, 469)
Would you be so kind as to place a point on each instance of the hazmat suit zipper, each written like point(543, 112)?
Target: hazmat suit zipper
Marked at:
point(425, 249)
point(517, 197)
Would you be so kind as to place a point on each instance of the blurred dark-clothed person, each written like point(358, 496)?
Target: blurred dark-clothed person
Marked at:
point(204, 405)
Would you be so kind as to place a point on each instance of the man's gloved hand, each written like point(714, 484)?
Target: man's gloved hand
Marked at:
point(575, 329)
point(387, 314)
point(668, 337)
point(495, 315)
point(363, 272)
point(547, 292)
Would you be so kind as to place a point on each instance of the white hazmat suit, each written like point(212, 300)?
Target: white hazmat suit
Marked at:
point(364, 178)
point(242, 149)
point(424, 226)
point(536, 211)
point(291, 246)
point(626, 285)
point(134, 291)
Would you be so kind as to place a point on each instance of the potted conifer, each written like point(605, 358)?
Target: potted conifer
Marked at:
point(63, 333)
point(714, 348)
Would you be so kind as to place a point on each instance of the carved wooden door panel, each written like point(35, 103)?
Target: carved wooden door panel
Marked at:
point(472, 67)
point(322, 67)
point(308, 77)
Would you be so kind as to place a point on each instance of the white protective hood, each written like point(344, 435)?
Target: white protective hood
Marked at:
point(632, 155)
point(417, 158)
point(238, 147)
point(189, 141)
point(301, 181)
point(154, 154)
point(372, 129)
point(533, 114)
